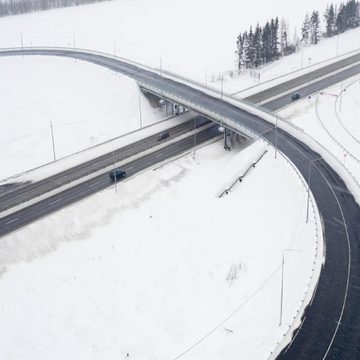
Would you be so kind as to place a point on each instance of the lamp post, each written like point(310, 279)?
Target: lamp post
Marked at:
point(337, 45)
point(276, 134)
point(115, 179)
point(52, 139)
point(308, 187)
point(140, 109)
point(21, 40)
point(302, 53)
point(282, 281)
point(222, 86)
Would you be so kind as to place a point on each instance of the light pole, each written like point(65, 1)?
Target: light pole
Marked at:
point(222, 86)
point(140, 109)
point(21, 40)
point(259, 74)
point(74, 41)
point(282, 281)
point(337, 45)
point(308, 187)
point(276, 134)
point(115, 179)
point(52, 138)
point(114, 45)
point(341, 94)
point(302, 53)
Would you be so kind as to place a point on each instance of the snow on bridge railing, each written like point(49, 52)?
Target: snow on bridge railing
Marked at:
point(251, 108)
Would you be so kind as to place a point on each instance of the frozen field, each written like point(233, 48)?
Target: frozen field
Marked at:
point(152, 270)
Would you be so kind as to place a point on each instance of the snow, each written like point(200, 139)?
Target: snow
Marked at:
point(156, 289)
point(328, 118)
point(164, 266)
point(86, 104)
point(193, 38)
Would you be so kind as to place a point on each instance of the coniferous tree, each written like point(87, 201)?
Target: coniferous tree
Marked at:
point(315, 27)
point(274, 31)
point(341, 19)
point(330, 19)
point(305, 30)
point(258, 58)
point(251, 49)
point(266, 42)
point(240, 50)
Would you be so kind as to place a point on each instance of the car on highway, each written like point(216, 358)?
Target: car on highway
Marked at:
point(117, 174)
point(295, 96)
point(163, 136)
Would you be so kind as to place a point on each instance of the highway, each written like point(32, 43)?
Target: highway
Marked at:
point(331, 325)
point(78, 192)
point(13, 196)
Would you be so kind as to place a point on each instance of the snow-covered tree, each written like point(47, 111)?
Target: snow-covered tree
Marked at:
point(305, 30)
point(330, 20)
point(314, 27)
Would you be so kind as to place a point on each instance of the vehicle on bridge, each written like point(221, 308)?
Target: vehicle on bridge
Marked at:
point(295, 96)
point(117, 174)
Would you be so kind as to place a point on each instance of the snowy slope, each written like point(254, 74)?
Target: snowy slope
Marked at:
point(153, 269)
point(86, 104)
point(197, 38)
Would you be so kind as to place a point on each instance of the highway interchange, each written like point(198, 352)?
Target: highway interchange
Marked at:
point(331, 325)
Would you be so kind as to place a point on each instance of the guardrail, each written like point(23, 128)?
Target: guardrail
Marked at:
point(241, 177)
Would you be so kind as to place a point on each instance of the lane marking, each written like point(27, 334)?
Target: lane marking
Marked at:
point(55, 201)
point(129, 168)
point(158, 155)
point(11, 221)
point(93, 184)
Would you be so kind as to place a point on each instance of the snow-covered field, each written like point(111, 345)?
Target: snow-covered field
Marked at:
point(164, 263)
point(90, 281)
point(86, 105)
point(197, 38)
point(331, 119)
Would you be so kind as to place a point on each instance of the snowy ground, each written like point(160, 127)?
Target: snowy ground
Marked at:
point(196, 38)
point(156, 289)
point(86, 104)
point(330, 118)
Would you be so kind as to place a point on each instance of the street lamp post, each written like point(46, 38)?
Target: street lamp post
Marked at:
point(282, 281)
point(115, 179)
point(21, 40)
point(222, 86)
point(308, 188)
point(302, 53)
point(52, 139)
point(337, 45)
point(140, 109)
point(276, 134)
point(341, 94)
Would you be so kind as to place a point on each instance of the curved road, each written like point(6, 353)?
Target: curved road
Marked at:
point(331, 324)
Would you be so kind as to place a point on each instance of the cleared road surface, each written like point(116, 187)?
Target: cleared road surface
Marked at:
point(331, 324)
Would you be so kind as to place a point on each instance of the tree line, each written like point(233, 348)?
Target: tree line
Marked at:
point(261, 45)
point(16, 7)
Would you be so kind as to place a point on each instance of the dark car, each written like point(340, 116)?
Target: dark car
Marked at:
point(295, 96)
point(163, 136)
point(117, 174)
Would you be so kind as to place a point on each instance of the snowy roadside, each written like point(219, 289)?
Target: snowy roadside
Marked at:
point(331, 129)
point(156, 289)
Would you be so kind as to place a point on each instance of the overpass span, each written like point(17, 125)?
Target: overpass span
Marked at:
point(331, 323)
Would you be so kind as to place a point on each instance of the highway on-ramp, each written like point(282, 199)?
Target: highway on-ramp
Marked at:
point(331, 324)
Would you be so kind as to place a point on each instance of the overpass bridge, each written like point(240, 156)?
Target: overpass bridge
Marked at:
point(331, 324)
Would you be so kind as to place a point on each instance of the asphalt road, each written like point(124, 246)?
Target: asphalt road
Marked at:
point(331, 326)
point(78, 192)
point(12, 196)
